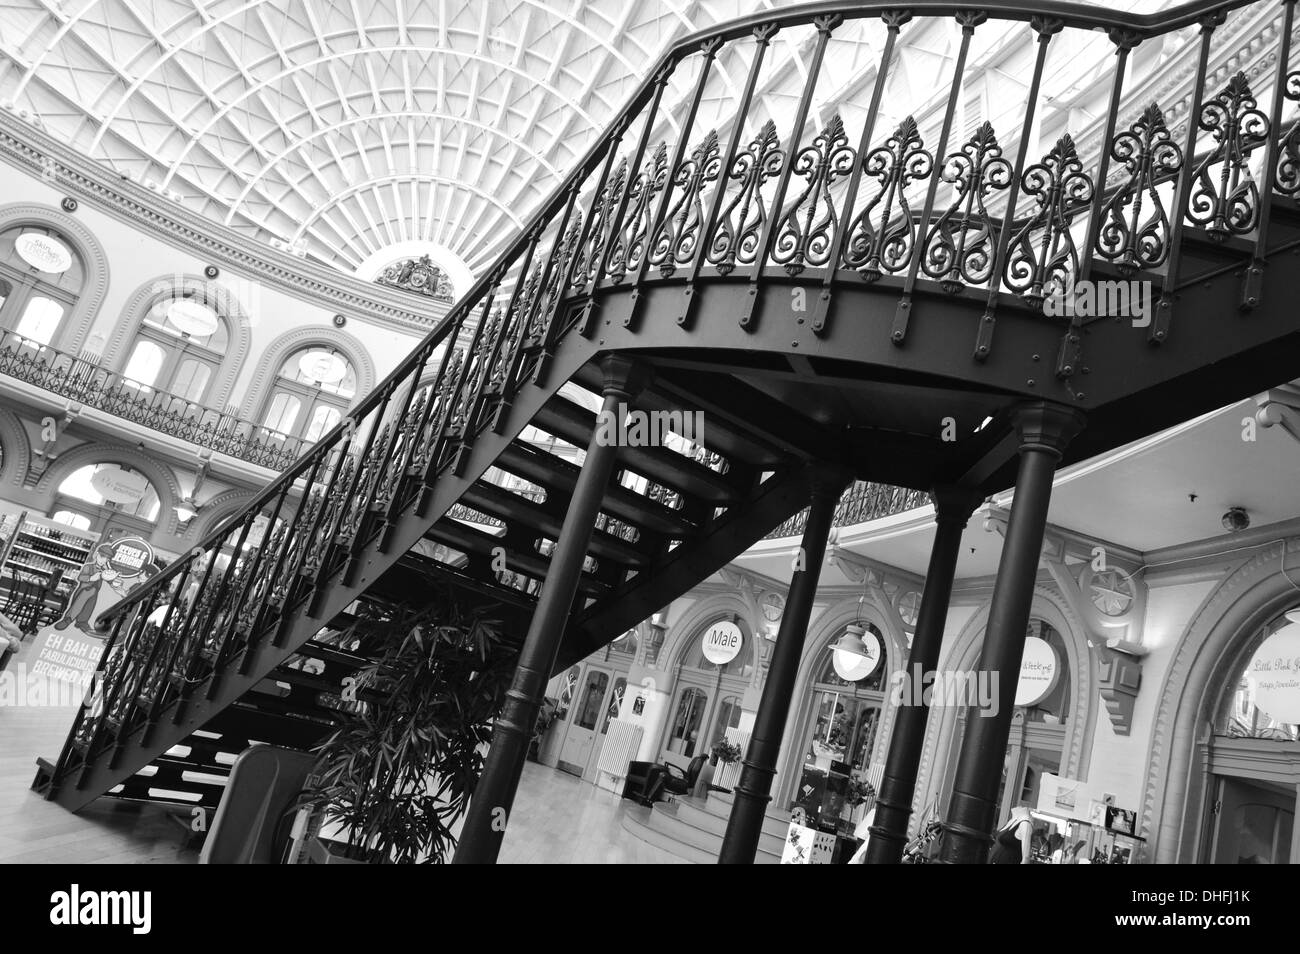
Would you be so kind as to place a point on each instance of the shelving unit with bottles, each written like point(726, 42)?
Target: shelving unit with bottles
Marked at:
point(38, 567)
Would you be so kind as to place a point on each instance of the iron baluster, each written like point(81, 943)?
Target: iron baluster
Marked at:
point(709, 50)
point(968, 20)
point(762, 38)
point(281, 546)
point(749, 308)
point(1071, 350)
point(1046, 29)
point(893, 21)
point(1252, 287)
point(1165, 306)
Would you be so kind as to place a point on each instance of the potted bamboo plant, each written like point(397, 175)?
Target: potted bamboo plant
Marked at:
point(398, 774)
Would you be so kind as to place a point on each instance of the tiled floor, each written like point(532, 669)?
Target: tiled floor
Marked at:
point(558, 819)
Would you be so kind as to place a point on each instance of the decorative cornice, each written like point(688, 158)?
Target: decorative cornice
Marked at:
point(37, 153)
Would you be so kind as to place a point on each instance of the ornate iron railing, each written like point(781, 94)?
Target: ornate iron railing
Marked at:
point(863, 501)
point(751, 201)
point(95, 386)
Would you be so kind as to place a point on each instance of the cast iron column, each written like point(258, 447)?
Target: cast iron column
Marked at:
point(1045, 431)
point(952, 508)
point(754, 789)
point(489, 809)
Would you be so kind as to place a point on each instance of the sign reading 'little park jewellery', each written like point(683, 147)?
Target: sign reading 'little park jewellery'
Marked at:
point(1038, 671)
point(1274, 673)
point(722, 642)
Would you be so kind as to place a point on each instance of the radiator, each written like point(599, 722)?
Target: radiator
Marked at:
point(622, 742)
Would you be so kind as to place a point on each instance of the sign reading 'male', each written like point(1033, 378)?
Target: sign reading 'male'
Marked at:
point(77, 907)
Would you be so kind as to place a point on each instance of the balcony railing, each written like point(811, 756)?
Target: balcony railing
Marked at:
point(88, 383)
point(862, 502)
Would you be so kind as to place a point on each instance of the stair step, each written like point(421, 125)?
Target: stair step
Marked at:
point(693, 813)
point(560, 476)
point(460, 536)
point(683, 831)
point(576, 425)
point(512, 508)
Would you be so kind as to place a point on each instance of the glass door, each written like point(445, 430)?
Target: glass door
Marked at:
point(588, 711)
point(1254, 823)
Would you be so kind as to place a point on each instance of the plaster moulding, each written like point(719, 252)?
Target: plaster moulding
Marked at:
point(28, 148)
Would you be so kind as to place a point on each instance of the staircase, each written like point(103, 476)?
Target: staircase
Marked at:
point(692, 829)
point(881, 307)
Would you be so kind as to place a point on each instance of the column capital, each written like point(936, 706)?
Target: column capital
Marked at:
point(624, 375)
point(1047, 427)
point(954, 503)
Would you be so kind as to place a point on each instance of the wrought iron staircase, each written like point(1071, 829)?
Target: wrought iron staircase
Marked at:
point(818, 295)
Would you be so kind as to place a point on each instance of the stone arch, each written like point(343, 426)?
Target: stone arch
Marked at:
point(962, 655)
point(278, 351)
point(824, 627)
point(1211, 647)
point(219, 508)
point(677, 639)
point(160, 475)
point(72, 336)
point(143, 298)
point(16, 448)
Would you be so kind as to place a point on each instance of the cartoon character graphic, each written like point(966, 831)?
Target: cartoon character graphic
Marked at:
point(81, 604)
point(121, 565)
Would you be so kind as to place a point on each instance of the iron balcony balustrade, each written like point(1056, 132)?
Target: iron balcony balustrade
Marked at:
point(91, 384)
point(862, 502)
point(753, 210)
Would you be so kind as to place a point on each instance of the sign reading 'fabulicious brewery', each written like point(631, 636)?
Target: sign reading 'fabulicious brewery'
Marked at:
point(1038, 671)
point(722, 642)
point(1274, 674)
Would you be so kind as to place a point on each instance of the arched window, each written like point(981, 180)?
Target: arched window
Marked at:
point(41, 278)
point(109, 485)
point(179, 345)
point(312, 390)
point(847, 699)
point(1241, 715)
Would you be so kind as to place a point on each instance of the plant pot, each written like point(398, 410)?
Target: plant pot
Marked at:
point(322, 851)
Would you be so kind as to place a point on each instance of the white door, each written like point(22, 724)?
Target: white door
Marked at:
point(587, 718)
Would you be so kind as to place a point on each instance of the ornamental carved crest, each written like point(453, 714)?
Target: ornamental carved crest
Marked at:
point(420, 276)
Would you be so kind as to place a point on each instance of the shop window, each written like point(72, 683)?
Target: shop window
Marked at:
point(1251, 709)
point(41, 278)
point(728, 717)
point(120, 488)
point(180, 345)
point(312, 391)
point(568, 689)
point(593, 698)
point(685, 735)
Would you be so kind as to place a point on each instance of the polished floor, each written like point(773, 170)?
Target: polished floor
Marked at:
point(558, 819)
